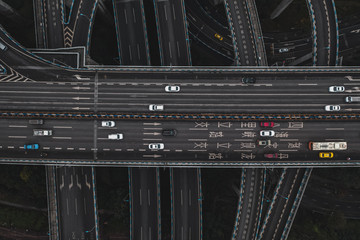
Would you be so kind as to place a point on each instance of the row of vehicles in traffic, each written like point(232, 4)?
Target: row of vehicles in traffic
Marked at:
point(265, 133)
point(151, 146)
point(37, 133)
point(348, 99)
point(175, 89)
point(313, 146)
point(252, 80)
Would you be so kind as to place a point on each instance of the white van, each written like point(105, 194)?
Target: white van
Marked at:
point(350, 99)
point(115, 136)
point(156, 107)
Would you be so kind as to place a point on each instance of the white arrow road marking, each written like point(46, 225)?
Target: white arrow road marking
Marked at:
point(72, 182)
point(81, 98)
point(77, 181)
point(62, 182)
point(350, 78)
point(78, 77)
point(86, 182)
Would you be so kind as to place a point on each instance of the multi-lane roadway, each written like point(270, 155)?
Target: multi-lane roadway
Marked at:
point(303, 94)
point(201, 143)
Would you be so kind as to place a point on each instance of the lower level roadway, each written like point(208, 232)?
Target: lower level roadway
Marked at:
point(178, 141)
point(76, 204)
point(186, 203)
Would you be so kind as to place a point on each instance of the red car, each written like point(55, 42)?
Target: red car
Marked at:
point(271, 155)
point(267, 124)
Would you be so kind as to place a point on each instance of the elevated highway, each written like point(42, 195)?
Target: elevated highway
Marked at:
point(48, 23)
point(171, 28)
point(80, 205)
point(325, 32)
point(186, 201)
point(250, 200)
point(131, 32)
point(145, 203)
point(242, 34)
point(280, 205)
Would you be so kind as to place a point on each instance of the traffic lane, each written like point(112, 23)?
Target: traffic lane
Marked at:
point(282, 202)
point(232, 85)
point(186, 206)
point(180, 32)
point(322, 32)
point(144, 203)
point(245, 44)
point(82, 28)
point(201, 28)
point(131, 33)
point(47, 96)
point(251, 197)
point(297, 107)
point(166, 31)
point(75, 184)
point(68, 193)
point(172, 34)
point(88, 214)
point(201, 16)
point(54, 24)
point(219, 136)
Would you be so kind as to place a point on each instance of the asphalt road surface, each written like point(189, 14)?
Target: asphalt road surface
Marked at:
point(145, 203)
point(77, 215)
point(215, 141)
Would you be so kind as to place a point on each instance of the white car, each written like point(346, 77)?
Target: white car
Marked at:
point(332, 108)
point(153, 146)
point(336, 89)
point(108, 124)
point(42, 132)
point(155, 107)
point(172, 88)
point(267, 133)
point(282, 50)
point(115, 136)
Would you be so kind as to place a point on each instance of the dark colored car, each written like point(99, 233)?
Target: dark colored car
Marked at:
point(271, 155)
point(267, 124)
point(248, 80)
point(169, 132)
